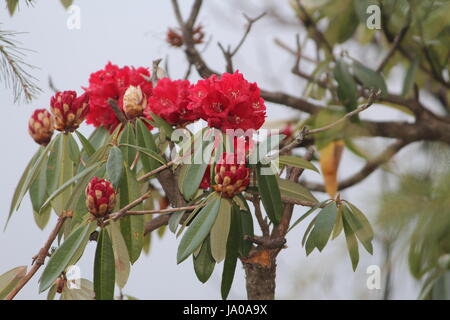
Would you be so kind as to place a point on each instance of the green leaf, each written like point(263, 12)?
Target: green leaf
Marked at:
point(219, 231)
point(127, 138)
point(323, 226)
point(303, 216)
point(121, 257)
point(247, 230)
point(352, 244)
point(21, 183)
point(10, 279)
point(151, 154)
point(338, 226)
point(104, 268)
point(68, 183)
point(12, 6)
point(38, 189)
point(132, 227)
point(270, 195)
point(66, 3)
point(198, 229)
point(174, 220)
point(62, 256)
point(42, 218)
point(87, 146)
point(114, 166)
point(295, 191)
point(232, 253)
point(74, 151)
point(360, 225)
point(297, 162)
point(346, 91)
point(204, 262)
point(32, 174)
point(145, 140)
point(164, 128)
point(410, 77)
point(370, 79)
point(196, 171)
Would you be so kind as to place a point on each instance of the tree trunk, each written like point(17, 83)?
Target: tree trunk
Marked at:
point(260, 281)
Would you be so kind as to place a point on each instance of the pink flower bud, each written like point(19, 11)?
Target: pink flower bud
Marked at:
point(100, 197)
point(69, 110)
point(40, 126)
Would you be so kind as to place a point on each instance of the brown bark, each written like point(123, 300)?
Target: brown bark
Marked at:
point(260, 281)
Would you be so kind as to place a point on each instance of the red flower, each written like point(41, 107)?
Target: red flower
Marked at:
point(100, 197)
point(40, 126)
point(69, 110)
point(111, 83)
point(170, 100)
point(206, 180)
point(232, 176)
point(230, 102)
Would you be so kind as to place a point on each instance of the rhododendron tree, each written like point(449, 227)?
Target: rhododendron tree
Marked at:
point(196, 156)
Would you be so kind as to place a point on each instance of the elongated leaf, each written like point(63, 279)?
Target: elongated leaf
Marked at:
point(21, 183)
point(132, 227)
point(219, 231)
point(104, 268)
point(204, 262)
point(73, 149)
point(198, 229)
point(347, 92)
point(232, 253)
point(360, 225)
point(128, 138)
point(270, 195)
point(295, 191)
point(38, 189)
point(165, 128)
point(369, 78)
point(145, 140)
point(87, 146)
point(174, 220)
point(12, 5)
point(42, 218)
point(195, 172)
point(323, 226)
point(303, 217)
point(68, 183)
point(32, 174)
point(297, 162)
point(247, 230)
point(114, 166)
point(121, 257)
point(352, 244)
point(151, 154)
point(410, 77)
point(10, 279)
point(61, 257)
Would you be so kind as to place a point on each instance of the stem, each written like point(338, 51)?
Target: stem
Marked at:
point(40, 258)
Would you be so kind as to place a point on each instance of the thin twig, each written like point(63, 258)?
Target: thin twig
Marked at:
point(134, 203)
point(164, 211)
point(395, 45)
point(40, 258)
point(262, 223)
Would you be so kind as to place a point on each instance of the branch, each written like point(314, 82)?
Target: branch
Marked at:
point(40, 258)
point(367, 170)
point(398, 39)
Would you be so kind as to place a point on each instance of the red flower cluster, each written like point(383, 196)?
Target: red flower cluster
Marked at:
point(69, 110)
point(100, 197)
point(170, 101)
point(40, 126)
point(111, 83)
point(229, 102)
point(232, 175)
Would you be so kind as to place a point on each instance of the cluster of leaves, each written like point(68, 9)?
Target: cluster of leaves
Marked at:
point(414, 214)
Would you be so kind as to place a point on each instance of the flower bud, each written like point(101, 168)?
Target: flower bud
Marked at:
point(231, 177)
point(100, 197)
point(40, 126)
point(68, 110)
point(134, 102)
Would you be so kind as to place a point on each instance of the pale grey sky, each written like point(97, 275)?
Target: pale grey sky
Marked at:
point(132, 33)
